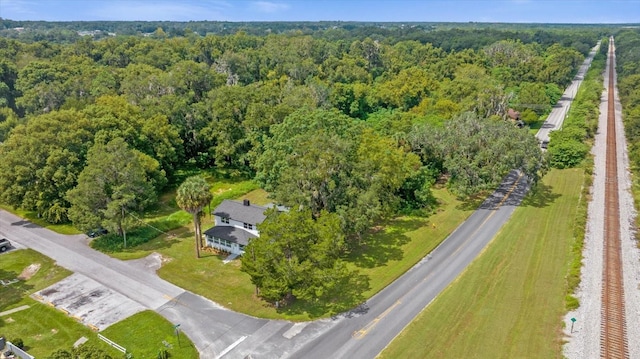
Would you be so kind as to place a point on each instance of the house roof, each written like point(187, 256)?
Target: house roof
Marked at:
point(231, 234)
point(240, 212)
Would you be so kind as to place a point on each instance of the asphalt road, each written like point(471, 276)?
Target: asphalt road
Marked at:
point(218, 332)
point(210, 327)
point(561, 109)
point(383, 317)
point(360, 333)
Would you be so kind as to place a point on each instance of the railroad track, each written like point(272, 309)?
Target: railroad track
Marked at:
point(613, 335)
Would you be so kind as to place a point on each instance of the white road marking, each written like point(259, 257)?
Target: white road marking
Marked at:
point(230, 347)
point(294, 330)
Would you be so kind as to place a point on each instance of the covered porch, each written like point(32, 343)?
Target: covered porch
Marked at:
point(228, 239)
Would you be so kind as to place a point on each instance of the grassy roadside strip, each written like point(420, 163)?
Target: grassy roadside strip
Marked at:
point(509, 302)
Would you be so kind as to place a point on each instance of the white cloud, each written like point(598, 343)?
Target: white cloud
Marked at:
point(269, 7)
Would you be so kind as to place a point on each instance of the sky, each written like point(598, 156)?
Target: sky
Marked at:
point(521, 11)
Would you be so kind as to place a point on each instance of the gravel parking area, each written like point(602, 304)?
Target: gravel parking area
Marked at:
point(88, 301)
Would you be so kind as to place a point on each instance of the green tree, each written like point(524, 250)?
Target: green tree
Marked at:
point(323, 160)
point(297, 256)
point(477, 153)
point(192, 196)
point(41, 161)
point(112, 184)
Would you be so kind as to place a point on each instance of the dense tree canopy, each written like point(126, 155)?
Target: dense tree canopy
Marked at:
point(235, 101)
point(344, 123)
point(477, 153)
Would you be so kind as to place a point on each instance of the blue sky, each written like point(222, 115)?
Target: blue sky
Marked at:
point(539, 11)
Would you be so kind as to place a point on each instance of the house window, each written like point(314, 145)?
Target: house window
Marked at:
point(224, 220)
point(248, 226)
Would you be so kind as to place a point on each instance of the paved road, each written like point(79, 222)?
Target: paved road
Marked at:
point(217, 332)
point(210, 327)
point(387, 313)
point(561, 109)
point(360, 333)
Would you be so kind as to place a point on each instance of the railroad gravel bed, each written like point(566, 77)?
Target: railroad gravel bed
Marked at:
point(584, 341)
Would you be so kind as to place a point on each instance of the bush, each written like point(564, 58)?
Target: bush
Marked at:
point(567, 154)
point(571, 302)
point(18, 342)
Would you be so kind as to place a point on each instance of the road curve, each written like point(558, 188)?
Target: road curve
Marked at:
point(211, 327)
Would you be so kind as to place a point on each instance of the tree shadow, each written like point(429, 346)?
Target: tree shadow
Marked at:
point(344, 299)
point(473, 202)
point(382, 245)
point(541, 195)
point(26, 224)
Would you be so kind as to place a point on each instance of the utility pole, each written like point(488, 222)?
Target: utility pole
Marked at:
point(124, 232)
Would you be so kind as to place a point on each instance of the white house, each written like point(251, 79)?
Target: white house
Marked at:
point(235, 225)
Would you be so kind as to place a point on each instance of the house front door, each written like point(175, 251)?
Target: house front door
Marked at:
point(235, 248)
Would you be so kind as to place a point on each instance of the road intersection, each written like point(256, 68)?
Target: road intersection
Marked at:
point(360, 333)
point(217, 332)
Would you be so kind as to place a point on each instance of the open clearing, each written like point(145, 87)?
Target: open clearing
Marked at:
point(509, 303)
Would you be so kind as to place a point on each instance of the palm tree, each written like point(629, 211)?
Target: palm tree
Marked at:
point(193, 195)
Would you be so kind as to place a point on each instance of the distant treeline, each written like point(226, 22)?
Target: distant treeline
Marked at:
point(448, 36)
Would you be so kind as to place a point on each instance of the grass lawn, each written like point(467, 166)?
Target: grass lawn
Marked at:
point(388, 253)
point(509, 302)
point(44, 329)
point(143, 335)
point(11, 266)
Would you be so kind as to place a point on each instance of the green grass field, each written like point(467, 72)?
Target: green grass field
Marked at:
point(44, 329)
point(510, 301)
point(145, 334)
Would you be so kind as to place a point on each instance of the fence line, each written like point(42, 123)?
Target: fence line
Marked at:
point(112, 343)
point(19, 352)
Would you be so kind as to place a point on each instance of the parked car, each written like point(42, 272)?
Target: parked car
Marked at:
point(4, 244)
point(97, 232)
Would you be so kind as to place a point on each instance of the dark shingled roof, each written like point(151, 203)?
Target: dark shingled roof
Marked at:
point(251, 214)
point(232, 234)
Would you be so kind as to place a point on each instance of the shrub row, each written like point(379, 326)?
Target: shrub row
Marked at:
point(570, 145)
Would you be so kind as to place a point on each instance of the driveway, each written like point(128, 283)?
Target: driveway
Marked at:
point(214, 330)
point(218, 332)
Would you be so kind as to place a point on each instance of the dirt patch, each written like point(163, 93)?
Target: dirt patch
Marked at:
point(164, 259)
point(30, 271)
